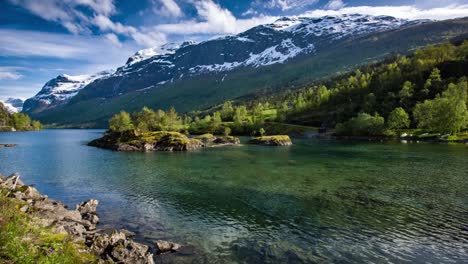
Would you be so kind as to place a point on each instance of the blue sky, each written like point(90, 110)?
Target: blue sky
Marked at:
point(41, 39)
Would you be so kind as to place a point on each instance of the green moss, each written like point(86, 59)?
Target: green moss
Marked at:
point(277, 140)
point(205, 136)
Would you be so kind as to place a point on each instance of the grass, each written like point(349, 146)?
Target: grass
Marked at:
point(22, 240)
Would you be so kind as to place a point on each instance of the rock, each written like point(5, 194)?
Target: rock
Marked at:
point(206, 138)
point(116, 247)
point(24, 208)
point(226, 141)
point(88, 207)
point(282, 140)
point(80, 225)
point(166, 246)
point(8, 145)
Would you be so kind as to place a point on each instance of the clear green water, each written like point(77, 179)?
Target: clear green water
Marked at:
point(314, 202)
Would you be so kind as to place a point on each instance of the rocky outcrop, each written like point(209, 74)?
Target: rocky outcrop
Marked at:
point(210, 140)
point(146, 142)
point(80, 225)
point(227, 140)
point(281, 140)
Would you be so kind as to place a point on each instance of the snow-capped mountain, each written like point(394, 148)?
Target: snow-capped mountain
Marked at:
point(290, 52)
point(264, 45)
point(60, 90)
point(13, 105)
point(286, 39)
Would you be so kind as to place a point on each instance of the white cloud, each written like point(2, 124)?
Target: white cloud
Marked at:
point(212, 19)
point(167, 8)
point(113, 39)
point(10, 73)
point(90, 49)
point(334, 4)
point(283, 5)
point(68, 13)
point(408, 12)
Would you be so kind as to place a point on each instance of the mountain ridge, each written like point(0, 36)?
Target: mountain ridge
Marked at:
point(143, 76)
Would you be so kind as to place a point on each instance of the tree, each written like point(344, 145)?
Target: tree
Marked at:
point(362, 125)
point(227, 111)
point(398, 119)
point(445, 114)
point(21, 121)
point(406, 93)
point(227, 131)
point(121, 122)
point(261, 131)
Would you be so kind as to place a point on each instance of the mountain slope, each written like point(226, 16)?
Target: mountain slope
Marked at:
point(13, 105)
point(59, 91)
point(286, 54)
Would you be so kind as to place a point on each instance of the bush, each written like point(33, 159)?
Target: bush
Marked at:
point(362, 125)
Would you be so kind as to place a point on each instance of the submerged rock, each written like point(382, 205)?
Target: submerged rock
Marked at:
point(281, 140)
point(8, 145)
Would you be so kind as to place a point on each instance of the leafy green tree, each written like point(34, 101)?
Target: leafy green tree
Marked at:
point(398, 119)
point(227, 131)
point(445, 114)
point(406, 93)
point(21, 121)
point(261, 131)
point(36, 125)
point(121, 122)
point(227, 111)
point(362, 125)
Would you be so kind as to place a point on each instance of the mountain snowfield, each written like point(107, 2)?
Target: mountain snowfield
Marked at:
point(61, 89)
point(13, 105)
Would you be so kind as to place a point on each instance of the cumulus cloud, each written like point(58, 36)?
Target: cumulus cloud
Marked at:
point(69, 14)
point(10, 73)
point(167, 8)
point(212, 19)
point(408, 12)
point(334, 4)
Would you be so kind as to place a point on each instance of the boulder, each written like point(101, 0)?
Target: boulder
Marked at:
point(228, 140)
point(163, 246)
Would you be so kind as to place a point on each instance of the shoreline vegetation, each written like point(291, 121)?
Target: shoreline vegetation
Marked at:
point(420, 97)
point(17, 121)
point(37, 229)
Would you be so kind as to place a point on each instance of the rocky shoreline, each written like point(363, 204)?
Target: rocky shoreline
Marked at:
point(80, 225)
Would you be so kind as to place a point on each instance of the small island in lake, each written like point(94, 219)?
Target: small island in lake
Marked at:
point(148, 131)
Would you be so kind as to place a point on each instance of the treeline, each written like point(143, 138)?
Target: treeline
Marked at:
point(17, 121)
point(427, 90)
point(229, 120)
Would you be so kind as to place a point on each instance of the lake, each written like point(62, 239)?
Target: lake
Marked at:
point(317, 201)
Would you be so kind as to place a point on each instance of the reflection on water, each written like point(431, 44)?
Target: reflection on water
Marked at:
point(317, 201)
